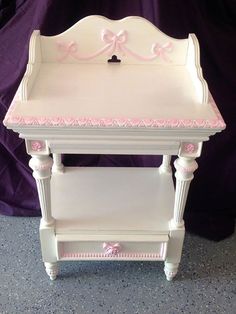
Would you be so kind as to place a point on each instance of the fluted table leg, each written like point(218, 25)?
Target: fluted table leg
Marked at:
point(42, 165)
point(185, 166)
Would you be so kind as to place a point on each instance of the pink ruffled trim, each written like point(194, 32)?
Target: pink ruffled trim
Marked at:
point(12, 119)
point(115, 122)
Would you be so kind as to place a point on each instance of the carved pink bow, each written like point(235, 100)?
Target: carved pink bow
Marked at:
point(111, 249)
point(114, 41)
point(161, 50)
point(67, 49)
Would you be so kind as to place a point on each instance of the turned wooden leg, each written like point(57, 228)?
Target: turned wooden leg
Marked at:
point(57, 164)
point(41, 166)
point(51, 270)
point(185, 166)
point(171, 270)
point(165, 166)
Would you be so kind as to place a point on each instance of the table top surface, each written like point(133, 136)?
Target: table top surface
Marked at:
point(114, 95)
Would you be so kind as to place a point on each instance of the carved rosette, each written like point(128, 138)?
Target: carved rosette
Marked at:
point(37, 147)
point(111, 249)
point(190, 149)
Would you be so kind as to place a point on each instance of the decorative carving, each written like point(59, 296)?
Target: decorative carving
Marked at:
point(37, 146)
point(115, 43)
point(41, 164)
point(117, 122)
point(119, 255)
point(111, 249)
point(170, 270)
point(51, 270)
point(189, 147)
point(184, 174)
point(114, 122)
point(185, 167)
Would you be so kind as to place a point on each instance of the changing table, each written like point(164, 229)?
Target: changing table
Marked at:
point(113, 87)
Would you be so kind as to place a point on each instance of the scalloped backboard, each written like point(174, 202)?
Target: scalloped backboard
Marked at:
point(95, 39)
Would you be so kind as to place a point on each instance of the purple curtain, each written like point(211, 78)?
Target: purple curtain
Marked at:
point(210, 210)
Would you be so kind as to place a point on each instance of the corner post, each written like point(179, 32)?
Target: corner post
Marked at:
point(165, 166)
point(41, 163)
point(185, 166)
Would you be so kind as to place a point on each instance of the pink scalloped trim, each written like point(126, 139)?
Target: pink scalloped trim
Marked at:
point(116, 122)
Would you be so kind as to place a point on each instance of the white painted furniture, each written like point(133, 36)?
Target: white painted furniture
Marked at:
point(155, 101)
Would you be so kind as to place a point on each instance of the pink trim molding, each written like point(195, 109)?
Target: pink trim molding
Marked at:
point(58, 121)
point(119, 255)
point(114, 43)
point(114, 122)
point(125, 255)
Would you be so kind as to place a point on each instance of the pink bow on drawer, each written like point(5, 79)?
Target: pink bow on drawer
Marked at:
point(111, 249)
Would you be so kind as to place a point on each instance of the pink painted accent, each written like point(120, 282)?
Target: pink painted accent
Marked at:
point(67, 49)
point(37, 146)
point(117, 122)
point(70, 49)
point(114, 43)
point(189, 147)
point(44, 166)
point(114, 122)
point(111, 249)
point(109, 256)
point(186, 170)
point(219, 119)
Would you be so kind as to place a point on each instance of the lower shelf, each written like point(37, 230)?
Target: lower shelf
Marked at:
point(112, 200)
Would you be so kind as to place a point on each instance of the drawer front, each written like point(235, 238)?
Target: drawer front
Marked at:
point(107, 250)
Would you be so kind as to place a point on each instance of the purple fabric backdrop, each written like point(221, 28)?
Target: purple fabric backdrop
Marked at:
point(211, 205)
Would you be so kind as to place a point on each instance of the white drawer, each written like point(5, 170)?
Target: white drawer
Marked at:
point(123, 248)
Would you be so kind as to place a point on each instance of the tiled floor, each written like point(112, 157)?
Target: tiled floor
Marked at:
point(206, 282)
